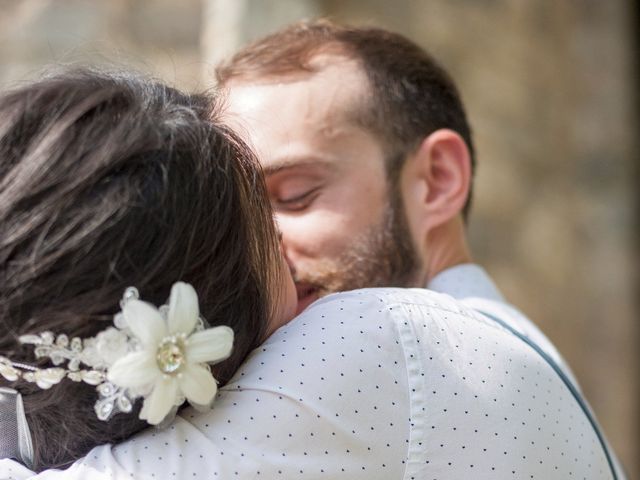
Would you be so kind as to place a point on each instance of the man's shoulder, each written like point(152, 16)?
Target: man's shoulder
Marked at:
point(351, 331)
point(391, 318)
point(379, 316)
point(377, 298)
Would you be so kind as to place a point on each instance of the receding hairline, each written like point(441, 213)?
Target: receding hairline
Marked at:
point(360, 109)
point(300, 64)
point(411, 94)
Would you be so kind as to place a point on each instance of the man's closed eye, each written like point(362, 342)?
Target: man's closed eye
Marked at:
point(297, 203)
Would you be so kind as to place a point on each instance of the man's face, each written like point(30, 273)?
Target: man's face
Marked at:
point(326, 180)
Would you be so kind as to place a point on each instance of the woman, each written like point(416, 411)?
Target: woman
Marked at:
point(114, 181)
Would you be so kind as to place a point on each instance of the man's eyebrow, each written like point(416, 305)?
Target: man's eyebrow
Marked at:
point(290, 163)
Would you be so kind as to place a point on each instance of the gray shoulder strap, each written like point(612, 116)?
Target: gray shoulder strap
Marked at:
point(15, 438)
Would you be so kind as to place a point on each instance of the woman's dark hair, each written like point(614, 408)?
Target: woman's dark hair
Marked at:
point(114, 180)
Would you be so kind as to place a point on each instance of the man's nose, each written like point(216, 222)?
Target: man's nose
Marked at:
point(295, 240)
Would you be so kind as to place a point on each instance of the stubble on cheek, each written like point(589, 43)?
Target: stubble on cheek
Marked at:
point(382, 256)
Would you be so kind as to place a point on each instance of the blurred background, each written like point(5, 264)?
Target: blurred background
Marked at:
point(551, 89)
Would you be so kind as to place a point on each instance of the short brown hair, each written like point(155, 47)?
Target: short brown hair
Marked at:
point(114, 180)
point(411, 95)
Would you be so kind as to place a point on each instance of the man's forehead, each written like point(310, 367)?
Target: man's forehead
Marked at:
point(337, 88)
point(301, 118)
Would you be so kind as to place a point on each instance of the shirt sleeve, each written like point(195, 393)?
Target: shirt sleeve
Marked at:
point(375, 384)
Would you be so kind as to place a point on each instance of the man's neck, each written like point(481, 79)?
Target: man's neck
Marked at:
point(447, 247)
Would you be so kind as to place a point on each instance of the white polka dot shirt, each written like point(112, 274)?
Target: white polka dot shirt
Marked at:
point(381, 384)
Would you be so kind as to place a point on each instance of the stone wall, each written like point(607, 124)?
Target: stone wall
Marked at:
point(551, 94)
point(161, 37)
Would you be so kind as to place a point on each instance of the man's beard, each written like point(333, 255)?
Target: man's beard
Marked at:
point(382, 256)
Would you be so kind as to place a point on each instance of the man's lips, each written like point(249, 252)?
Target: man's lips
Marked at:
point(307, 294)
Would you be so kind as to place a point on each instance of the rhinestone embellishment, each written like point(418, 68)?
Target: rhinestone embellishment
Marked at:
point(170, 356)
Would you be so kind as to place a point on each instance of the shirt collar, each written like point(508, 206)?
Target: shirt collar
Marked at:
point(465, 281)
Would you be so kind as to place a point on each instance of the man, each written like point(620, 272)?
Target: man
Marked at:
point(367, 154)
point(368, 159)
point(369, 162)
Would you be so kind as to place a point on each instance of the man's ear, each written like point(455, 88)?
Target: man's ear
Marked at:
point(435, 181)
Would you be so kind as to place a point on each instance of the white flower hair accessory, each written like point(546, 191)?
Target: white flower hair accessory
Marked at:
point(159, 354)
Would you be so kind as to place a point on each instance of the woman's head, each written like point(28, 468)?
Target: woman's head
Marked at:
point(110, 181)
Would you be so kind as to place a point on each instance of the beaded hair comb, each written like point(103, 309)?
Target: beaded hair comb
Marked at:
point(159, 354)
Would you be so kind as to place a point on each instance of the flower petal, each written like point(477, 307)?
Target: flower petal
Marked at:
point(159, 403)
point(145, 322)
point(197, 384)
point(183, 308)
point(135, 370)
point(211, 345)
